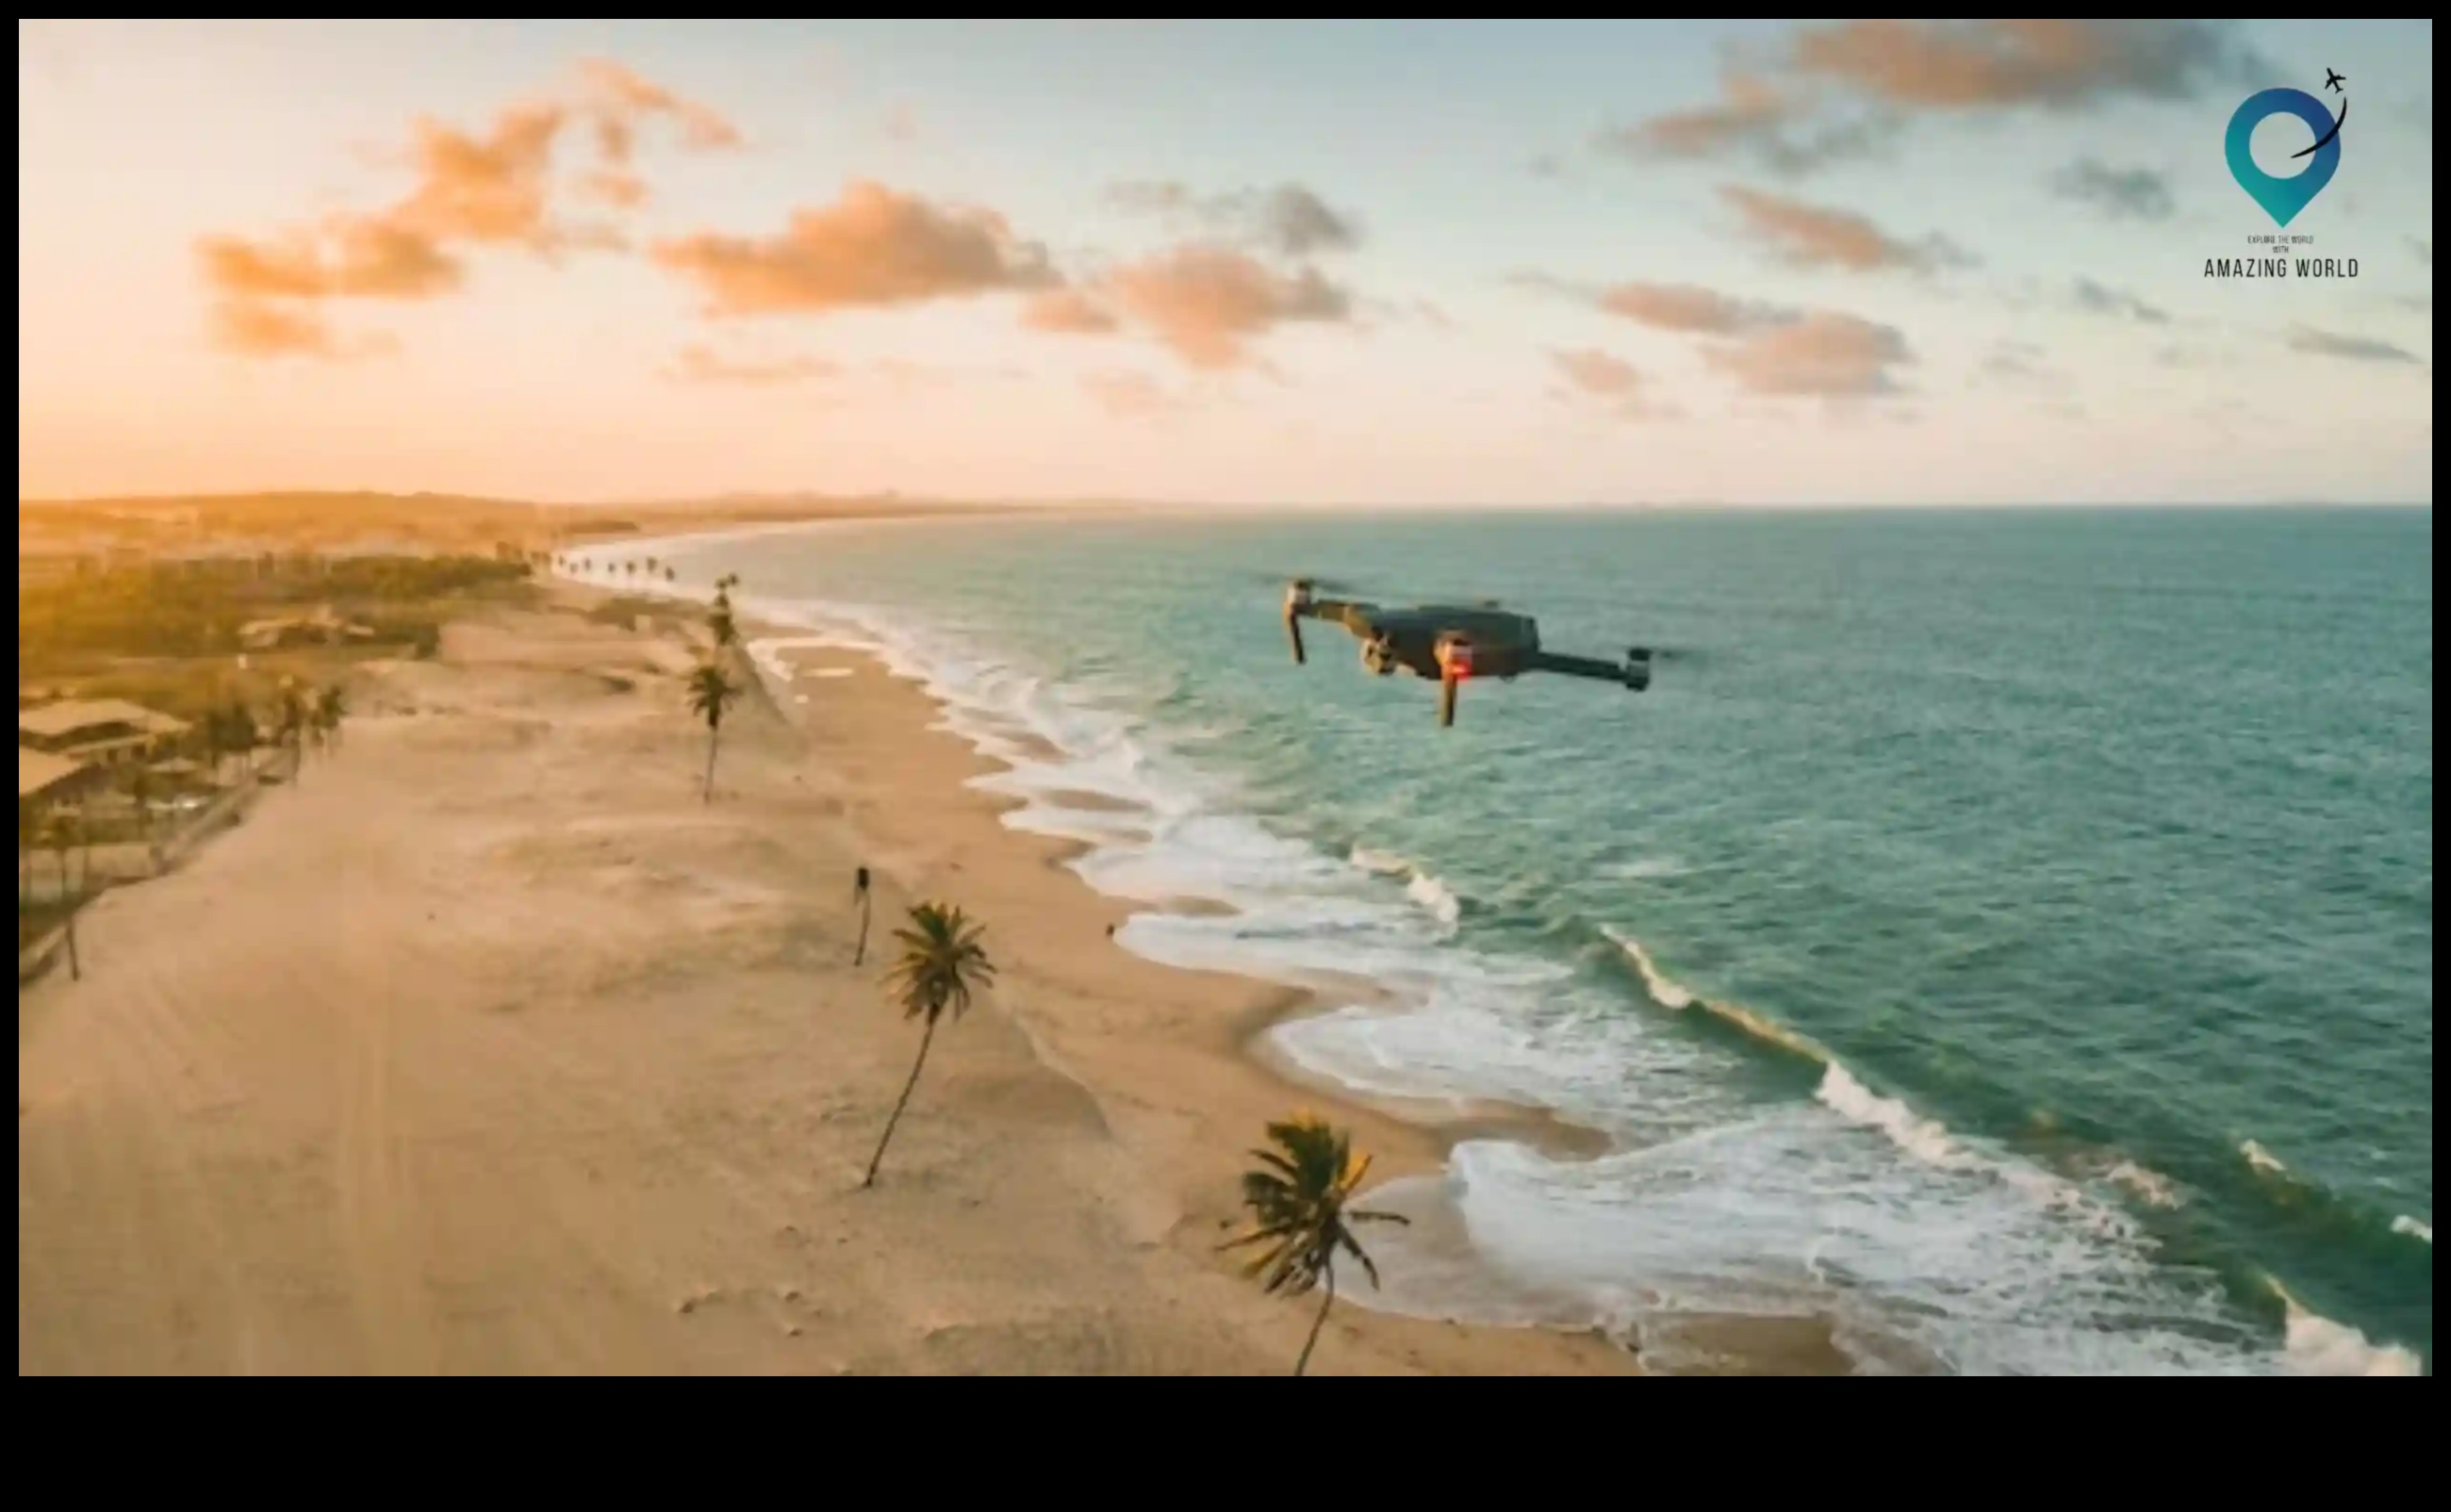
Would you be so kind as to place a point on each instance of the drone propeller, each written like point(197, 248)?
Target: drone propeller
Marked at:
point(1333, 588)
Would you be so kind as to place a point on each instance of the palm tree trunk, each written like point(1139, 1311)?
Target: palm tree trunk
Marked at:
point(713, 738)
point(900, 1103)
point(861, 952)
point(1320, 1321)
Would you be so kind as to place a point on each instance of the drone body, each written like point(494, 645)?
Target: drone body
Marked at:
point(1452, 645)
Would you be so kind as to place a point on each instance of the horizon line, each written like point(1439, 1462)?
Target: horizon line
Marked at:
point(811, 501)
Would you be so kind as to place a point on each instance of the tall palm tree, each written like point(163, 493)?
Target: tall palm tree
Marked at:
point(861, 895)
point(331, 706)
point(210, 732)
point(292, 725)
point(711, 693)
point(941, 964)
point(1297, 1196)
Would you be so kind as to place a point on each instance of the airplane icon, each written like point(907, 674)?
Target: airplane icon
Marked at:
point(2333, 81)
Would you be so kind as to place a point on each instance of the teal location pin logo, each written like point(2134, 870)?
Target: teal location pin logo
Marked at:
point(2283, 199)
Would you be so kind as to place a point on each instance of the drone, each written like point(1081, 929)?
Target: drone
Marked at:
point(1451, 646)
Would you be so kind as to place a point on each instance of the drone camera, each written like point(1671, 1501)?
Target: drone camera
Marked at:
point(1638, 668)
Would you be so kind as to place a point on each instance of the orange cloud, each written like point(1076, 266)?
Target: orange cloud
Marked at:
point(1614, 383)
point(621, 96)
point(1209, 302)
point(346, 258)
point(1597, 372)
point(1131, 395)
point(252, 327)
point(873, 247)
point(1817, 353)
point(1686, 307)
point(497, 188)
point(489, 188)
point(1779, 107)
point(1773, 123)
point(1809, 235)
point(1068, 312)
point(617, 187)
point(1961, 65)
point(698, 364)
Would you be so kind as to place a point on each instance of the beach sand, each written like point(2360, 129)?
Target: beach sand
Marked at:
point(487, 1047)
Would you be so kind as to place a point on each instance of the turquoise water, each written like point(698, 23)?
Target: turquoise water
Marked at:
point(2011, 931)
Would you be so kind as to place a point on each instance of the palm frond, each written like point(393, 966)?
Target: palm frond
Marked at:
point(1296, 1193)
point(942, 964)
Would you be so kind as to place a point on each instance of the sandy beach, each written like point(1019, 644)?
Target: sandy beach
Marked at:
point(490, 1048)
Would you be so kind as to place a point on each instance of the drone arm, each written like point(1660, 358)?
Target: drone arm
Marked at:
point(1353, 615)
point(1633, 672)
point(1344, 611)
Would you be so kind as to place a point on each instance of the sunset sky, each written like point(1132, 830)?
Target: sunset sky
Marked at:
point(1266, 262)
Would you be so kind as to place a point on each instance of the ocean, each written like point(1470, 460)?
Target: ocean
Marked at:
point(2007, 931)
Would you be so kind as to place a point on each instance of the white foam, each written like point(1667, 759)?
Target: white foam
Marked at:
point(2262, 1161)
point(1714, 1201)
point(1663, 992)
point(2417, 1228)
point(1433, 894)
point(1648, 868)
point(2316, 1345)
point(2150, 1187)
point(1922, 1138)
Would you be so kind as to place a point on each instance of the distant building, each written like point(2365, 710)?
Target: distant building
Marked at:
point(319, 627)
point(98, 732)
point(43, 777)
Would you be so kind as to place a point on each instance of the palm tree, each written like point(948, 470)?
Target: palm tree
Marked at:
point(1297, 1197)
point(293, 725)
point(712, 692)
point(860, 893)
point(718, 619)
point(211, 731)
point(331, 706)
point(942, 964)
point(140, 792)
point(238, 732)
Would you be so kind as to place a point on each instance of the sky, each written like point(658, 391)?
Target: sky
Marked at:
point(1328, 261)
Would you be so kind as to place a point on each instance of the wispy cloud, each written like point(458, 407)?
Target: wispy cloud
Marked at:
point(1846, 89)
point(2357, 348)
point(2121, 194)
point(1131, 396)
point(700, 363)
point(1688, 307)
point(1287, 218)
point(1813, 235)
point(2101, 299)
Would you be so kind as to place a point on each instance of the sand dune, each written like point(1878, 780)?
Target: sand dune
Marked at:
point(489, 1047)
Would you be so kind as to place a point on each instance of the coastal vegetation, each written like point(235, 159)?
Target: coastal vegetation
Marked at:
point(712, 692)
point(1297, 1196)
point(941, 965)
point(73, 622)
point(720, 621)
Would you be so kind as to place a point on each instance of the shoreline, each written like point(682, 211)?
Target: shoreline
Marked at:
point(1414, 1137)
point(489, 1047)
